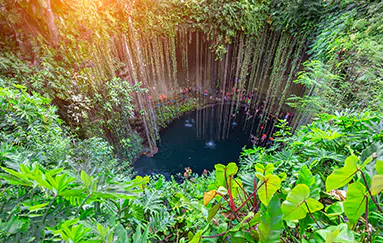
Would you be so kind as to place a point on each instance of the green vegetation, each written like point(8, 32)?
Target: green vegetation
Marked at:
point(294, 192)
point(77, 80)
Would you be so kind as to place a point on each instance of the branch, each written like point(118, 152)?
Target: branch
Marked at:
point(250, 196)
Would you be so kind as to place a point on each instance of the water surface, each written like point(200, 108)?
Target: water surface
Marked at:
point(199, 140)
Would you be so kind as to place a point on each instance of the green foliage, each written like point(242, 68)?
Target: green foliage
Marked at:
point(322, 184)
point(355, 204)
point(317, 178)
point(341, 177)
point(30, 124)
point(166, 113)
point(298, 203)
point(344, 69)
point(340, 233)
point(330, 166)
point(271, 225)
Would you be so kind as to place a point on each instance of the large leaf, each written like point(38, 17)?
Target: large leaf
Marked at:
point(334, 210)
point(212, 212)
point(379, 166)
point(231, 169)
point(220, 174)
point(271, 225)
point(355, 204)
point(264, 170)
point(340, 233)
point(377, 180)
point(197, 237)
point(376, 150)
point(208, 196)
point(271, 183)
point(298, 203)
point(306, 177)
point(340, 177)
point(220, 171)
point(376, 184)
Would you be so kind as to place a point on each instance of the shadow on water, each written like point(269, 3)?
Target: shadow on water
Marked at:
point(199, 140)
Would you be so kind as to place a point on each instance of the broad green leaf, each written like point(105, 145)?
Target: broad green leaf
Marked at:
point(376, 184)
point(197, 237)
point(379, 166)
point(212, 212)
point(271, 225)
point(270, 186)
point(260, 176)
point(313, 204)
point(340, 233)
point(340, 177)
point(306, 177)
point(332, 235)
point(220, 174)
point(269, 169)
point(208, 196)
point(355, 204)
point(235, 186)
point(260, 168)
point(297, 201)
point(231, 169)
point(334, 210)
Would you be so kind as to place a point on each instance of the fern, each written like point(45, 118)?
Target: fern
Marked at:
point(161, 221)
point(151, 201)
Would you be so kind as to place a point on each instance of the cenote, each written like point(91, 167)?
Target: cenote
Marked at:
point(191, 121)
point(202, 138)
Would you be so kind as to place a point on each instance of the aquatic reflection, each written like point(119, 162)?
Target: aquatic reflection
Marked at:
point(210, 144)
point(202, 138)
point(188, 124)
